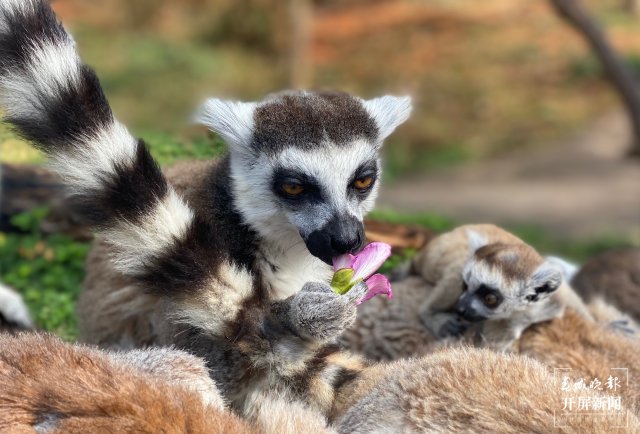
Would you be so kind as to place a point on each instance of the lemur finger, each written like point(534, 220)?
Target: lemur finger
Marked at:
point(356, 293)
point(319, 287)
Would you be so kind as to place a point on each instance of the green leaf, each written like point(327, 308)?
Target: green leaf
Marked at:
point(342, 281)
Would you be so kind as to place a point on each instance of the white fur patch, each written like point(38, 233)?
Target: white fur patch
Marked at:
point(13, 309)
point(295, 267)
point(547, 272)
point(231, 119)
point(569, 269)
point(388, 112)
point(137, 243)
point(49, 68)
point(213, 308)
point(10, 8)
point(476, 240)
point(86, 165)
point(479, 273)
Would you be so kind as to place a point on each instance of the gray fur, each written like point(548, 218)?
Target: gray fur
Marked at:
point(176, 367)
point(317, 312)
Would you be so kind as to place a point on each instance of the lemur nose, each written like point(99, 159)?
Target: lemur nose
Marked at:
point(342, 234)
point(461, 310)
point(347, 244)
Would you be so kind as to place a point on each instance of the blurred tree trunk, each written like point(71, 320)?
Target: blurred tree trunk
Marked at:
point(619, 75)
point(300, 23)
point(632, 6)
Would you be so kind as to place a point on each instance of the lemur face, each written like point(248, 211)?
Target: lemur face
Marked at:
point(500, 279)
point(306, 166)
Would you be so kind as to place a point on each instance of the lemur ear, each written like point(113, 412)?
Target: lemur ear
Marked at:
point(476, 240)
point(388, 112)
point(547, 278)
point(569, 269)
point(233, 120)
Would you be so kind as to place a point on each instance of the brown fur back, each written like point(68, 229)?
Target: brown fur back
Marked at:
point(60, 388)
point(590, 349)
point(460, 390)
point(613, 276)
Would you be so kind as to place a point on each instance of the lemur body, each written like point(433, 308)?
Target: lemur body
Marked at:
point(491, 278)
point(612, 278)
point(236, 273)
point(466, 390)
point(584, 349)
point(53, 387)
point(423, 311)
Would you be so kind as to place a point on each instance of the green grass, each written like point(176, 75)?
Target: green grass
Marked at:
point(167, 149)
point(48, 271)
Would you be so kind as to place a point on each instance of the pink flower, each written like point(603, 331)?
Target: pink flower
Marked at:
point(350, 269)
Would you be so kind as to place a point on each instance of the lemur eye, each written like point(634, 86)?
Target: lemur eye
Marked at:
point(292, 189)
point(490, 299)
point(363, 183)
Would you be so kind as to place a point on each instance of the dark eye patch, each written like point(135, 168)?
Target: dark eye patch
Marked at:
point(311, 190)
point(485, 292)
point(547, 287)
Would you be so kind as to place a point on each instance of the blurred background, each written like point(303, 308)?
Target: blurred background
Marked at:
point(516, 120)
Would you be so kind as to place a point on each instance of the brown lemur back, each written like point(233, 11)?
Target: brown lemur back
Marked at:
point(232, 265)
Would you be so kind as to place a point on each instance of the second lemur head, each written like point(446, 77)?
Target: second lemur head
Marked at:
point(306, 164)
point(500, 279)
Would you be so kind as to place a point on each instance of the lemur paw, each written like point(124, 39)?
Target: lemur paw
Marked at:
point(454, 327)
point(319, 313)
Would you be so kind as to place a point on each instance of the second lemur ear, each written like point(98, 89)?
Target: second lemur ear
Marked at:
point(547, 278)
point(388, 112)
point(233, 120)
point(476, 240)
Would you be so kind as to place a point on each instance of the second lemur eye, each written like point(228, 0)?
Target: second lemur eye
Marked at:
point(490, 300)
point(292, 189)
point(363, 183)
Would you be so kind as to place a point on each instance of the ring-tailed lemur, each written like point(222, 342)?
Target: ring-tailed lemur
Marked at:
point(483, 274)
point(234, 266)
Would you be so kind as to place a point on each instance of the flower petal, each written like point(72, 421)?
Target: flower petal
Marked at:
point(343, 261)
point(370, 259)
point(377, 284)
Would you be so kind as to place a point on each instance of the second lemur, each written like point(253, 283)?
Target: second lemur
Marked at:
point(483, 275)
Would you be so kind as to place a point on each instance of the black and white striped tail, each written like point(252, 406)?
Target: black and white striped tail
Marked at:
point(55, 101)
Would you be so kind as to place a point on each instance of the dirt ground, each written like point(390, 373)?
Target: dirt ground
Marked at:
point(581, 186)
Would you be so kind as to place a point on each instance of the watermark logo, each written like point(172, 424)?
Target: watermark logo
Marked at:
point(591, 398)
